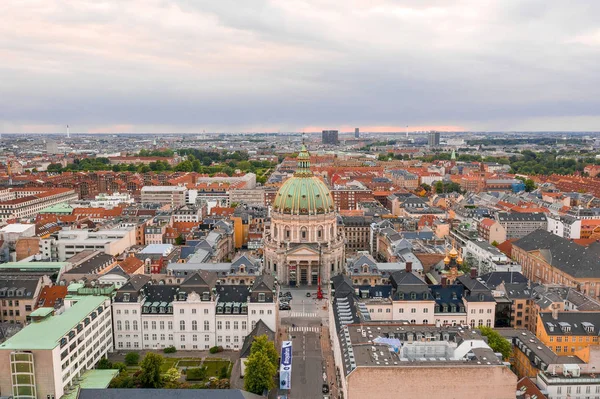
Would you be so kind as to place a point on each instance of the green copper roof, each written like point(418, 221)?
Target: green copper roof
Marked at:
point(47, 333)
point(303, 194)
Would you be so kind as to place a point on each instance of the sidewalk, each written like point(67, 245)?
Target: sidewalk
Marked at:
point(329, 362)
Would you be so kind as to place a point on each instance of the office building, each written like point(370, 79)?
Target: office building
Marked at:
point(164, 195)
point(49, 355)
point(330, 137)
point(433, 138)
point(356, 133)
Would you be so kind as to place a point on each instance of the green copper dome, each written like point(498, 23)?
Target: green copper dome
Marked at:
point(303, 194)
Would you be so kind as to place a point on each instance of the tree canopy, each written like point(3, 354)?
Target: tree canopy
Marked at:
point(497, 342)
point(150, 370)
point(261, 366)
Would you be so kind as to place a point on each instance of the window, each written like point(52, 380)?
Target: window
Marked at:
point(379, 310)
point(119, 326)
point(228, 339)
point(170, 337)
point(227, 325)
point(401, 310)
point(480, 323)
point(219, 325)
point(426, 310)
point(145, 337)
point(182, 338)
point(413, 310)
point(135, 325)
point(126, 311)
point(194, 338)
point(243, 325)
point(126, 324)
point(235, 325)
point(145, 325)
point(253, 311)
point(162, 325)
point(206, 325)
point(205, 311)
point(388, 310)
point(488, 323)
point(154, 325)
point(219, 339)
point(153, 337)
point(261, 311)
point(194, 325)
point(182, 325)
point(269, 311)
point(118, 311)
point(193, 311)
point(170, 325)
point(207, 337)
point(261, 297)
point(162, 337)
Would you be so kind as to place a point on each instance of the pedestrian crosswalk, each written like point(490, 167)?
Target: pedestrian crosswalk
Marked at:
point(302, 314)
point(304, 329)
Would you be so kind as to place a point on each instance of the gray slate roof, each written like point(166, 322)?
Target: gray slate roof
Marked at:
point(561, 253)
point(147, 393)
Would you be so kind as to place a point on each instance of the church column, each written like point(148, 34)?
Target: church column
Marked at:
point(309, 273)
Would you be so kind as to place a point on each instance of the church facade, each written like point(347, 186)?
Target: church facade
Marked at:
point(303, 241)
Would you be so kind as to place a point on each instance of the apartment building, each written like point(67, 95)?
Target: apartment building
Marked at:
point(47, 357)
point(164, 195)
point(196, 314)
point(255, 196)
point(565, 226)
point(19, 294)
point(25, 203)
point(518, 224)
point(487, 258)
point(491, 231)
point(357, 230)
point(375, 358)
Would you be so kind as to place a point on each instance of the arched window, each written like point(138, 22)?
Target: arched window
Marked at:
point(480, 323)
point(182, 325)
point(287, 232)
point(472, 323)
point(135, 325)
point(425, 321)
point(488, 323)
point(320, 232)
point(413, 321)
point(303, 233)
point(194, 325)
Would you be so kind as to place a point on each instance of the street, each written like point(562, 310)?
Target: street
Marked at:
point(302, 325)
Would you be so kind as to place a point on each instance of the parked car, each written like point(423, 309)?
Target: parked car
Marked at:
point(285, 306)
point(325, 388)
point(308, 294)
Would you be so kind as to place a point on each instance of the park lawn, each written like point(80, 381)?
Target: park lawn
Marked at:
point(168, 363)
point(213, 367)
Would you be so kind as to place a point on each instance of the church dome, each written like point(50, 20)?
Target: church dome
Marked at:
point(303, 194)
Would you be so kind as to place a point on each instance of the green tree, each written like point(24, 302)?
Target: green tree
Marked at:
point(104, 364)
point(172, 375)
point(260, 373)
point(150, 370)
point(119, 366)
point(529, 185)
point(262, 344)
point(132, 359)
point(495, 243)
point(496, 341)
point(179, 240)
point(54, 168)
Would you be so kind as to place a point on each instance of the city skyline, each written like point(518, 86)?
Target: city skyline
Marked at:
point(180, 67)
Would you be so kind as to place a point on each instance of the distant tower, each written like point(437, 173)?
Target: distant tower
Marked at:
point(453, 156)
point(330, 137)
point(407, 132)
point(68, 135)
point(356, 133)
point(433, 138)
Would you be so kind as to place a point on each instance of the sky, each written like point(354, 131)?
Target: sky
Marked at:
point(187, 66)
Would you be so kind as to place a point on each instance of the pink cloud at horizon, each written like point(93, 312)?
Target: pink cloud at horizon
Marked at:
point(386, 129)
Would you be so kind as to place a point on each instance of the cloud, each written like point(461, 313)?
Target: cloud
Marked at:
point(185, 66)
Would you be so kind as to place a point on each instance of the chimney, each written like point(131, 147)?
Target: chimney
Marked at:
point(555, 313)
point(473, 272)
point(408, 267)
point(444, 281)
